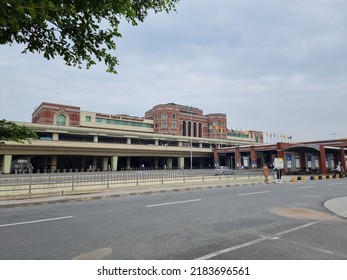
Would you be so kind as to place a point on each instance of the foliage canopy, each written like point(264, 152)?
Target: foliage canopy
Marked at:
point(80, 31)
point(9, 131)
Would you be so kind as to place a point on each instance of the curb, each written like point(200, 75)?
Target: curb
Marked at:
point(120, 193)
point(316, 177)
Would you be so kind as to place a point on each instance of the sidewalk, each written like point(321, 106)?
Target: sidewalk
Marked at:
point(127, 191)
point(336, 205)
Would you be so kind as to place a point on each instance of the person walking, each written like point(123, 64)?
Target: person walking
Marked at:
point(266, 172)
point(338, 169)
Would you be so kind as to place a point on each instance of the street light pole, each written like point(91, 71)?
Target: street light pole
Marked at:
point(191, 138)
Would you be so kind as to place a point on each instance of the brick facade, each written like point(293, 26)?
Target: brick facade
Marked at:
point(181, 120)
point(47, 113)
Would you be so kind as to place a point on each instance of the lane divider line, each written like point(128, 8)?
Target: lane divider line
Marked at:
point(36, 221)
point(306, 187)
point(175, 202)
point(240, 194)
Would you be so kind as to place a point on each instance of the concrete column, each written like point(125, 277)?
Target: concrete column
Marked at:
point(55, 136)
point(114, 163)
point(95, 138)
point(179, 143)
point(181, 163)
point(129, 141)
point(200, 145)
point(156, 163)
point(302, 161)
point(6, 164)
point(54, 163)
point(215, 157)
point(156, 142)
point(128, 163)
point(105, 164)
point(322, 163)
point(95, 161)
point(237, 158)
point(253, 158)
point(169, 163)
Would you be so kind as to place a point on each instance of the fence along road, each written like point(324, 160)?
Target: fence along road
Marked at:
point(53, 183)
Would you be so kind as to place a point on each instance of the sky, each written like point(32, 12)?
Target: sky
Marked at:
point(277, 66)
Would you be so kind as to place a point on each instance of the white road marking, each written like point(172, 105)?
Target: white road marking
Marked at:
point(175, 202)
point(227, 250)
point(253, 193)
point(306, 187)
point(334, 184)
point(36, 221)
point(261, 239)
point(297, 228)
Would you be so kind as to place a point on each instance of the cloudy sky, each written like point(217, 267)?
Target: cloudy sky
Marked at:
point(276, 66)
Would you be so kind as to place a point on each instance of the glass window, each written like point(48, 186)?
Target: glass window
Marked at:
point(173, 116)
point(155, 117)
point(164, 124)
point(163, 116)
point(61, 120)
point(88, 118)
point(173, 124)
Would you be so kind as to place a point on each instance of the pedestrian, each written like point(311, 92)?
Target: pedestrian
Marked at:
point(338, 169)
point(266, 172)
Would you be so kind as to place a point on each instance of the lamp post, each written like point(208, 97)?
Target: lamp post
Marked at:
point(191, 138)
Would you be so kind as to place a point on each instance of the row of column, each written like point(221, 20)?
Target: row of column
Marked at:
point(280, 154)
point(113, 160)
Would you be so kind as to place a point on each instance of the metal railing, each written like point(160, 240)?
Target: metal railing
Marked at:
point(71, 181)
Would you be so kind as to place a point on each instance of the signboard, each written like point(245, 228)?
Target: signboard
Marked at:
point(279, 163)
point(245, 161)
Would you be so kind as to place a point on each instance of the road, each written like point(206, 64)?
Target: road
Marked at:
point(266, 221)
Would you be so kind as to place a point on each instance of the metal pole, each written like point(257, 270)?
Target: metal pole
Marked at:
point(191, 138)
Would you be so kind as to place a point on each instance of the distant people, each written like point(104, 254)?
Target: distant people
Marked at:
point(338, 169)
point(266, 173)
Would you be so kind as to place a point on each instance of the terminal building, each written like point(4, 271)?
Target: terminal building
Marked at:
point(169, 136)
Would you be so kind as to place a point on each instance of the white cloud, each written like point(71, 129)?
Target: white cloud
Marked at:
point(277, 66)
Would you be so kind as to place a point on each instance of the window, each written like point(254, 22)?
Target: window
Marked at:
point(173, 116)
point(155, 117)
point(163, 116)
point(164, 124)
point(215, 123)
point(173, 124)
point(88, 118)
point(61, 120)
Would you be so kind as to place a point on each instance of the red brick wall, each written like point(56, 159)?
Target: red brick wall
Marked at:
point(46, 112)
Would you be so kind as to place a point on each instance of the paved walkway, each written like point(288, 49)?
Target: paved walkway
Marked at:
point(336, 205)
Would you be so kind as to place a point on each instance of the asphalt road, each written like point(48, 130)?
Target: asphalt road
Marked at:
point(268, 221)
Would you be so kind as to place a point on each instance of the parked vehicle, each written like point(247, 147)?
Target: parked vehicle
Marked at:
point(223, 170)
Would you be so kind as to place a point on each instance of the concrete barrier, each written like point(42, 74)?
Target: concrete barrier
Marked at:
point(315, 177)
